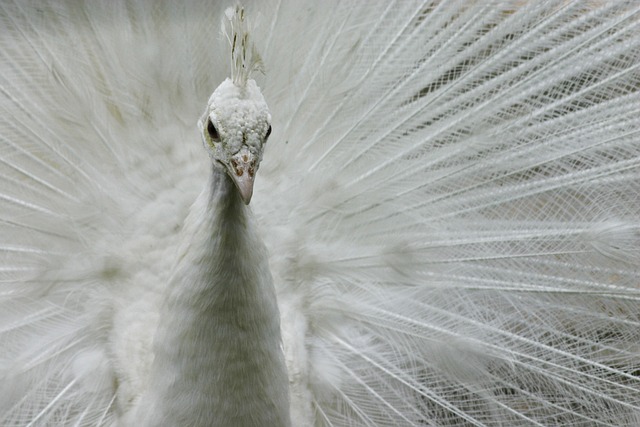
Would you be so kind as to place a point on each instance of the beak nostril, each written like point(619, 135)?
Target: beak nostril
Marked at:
point(238, 170)
point(241, 163)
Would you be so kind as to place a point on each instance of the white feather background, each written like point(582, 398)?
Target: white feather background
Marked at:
point(450, 200)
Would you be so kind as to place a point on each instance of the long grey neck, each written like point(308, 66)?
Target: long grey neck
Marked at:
point(218, 358)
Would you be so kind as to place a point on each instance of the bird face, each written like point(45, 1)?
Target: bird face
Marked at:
point(235, 128)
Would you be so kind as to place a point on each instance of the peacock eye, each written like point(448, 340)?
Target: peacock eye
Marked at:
point(268, 133)
point(213, 132)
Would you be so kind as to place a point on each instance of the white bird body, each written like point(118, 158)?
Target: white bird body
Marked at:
point(449, 204)
point(224, 322)
point(218, 313)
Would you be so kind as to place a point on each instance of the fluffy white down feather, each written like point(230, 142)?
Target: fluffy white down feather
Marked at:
point(449, 200)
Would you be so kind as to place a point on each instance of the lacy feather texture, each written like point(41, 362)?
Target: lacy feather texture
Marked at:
point(443, 228)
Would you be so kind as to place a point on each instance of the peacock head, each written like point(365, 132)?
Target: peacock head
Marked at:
point(235, 128)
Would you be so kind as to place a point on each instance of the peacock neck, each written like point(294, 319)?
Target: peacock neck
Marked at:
point(217, 352)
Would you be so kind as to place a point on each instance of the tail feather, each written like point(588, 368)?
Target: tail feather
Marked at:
point(460, 273)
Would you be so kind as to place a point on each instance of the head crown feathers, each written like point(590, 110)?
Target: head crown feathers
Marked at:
point(245, 58)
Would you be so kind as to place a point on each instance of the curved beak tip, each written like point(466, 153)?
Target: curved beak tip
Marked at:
point(245, 188)
point(242, 171)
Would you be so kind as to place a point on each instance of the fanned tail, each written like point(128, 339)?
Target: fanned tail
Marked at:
point(462, 239)
point(449, 197)
point(86, 145)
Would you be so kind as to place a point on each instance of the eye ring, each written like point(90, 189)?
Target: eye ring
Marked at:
point(213, 132)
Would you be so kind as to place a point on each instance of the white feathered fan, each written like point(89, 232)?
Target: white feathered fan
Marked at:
point(443, 228)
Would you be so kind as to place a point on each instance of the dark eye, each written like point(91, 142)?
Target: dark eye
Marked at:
point(213, 132)
point(268, 133)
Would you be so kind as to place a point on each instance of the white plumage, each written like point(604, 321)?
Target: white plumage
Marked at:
point(449, 201)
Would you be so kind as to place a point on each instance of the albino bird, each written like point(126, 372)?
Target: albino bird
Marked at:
point(449, 204)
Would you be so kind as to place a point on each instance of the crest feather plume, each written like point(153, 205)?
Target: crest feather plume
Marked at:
point(245, 58)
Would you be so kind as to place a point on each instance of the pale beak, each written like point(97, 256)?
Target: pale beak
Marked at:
point(242, 169)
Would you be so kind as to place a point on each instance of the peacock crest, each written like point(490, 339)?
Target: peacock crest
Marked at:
point(245, 58)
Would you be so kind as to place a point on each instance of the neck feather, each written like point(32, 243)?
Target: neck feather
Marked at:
point(218, 359)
